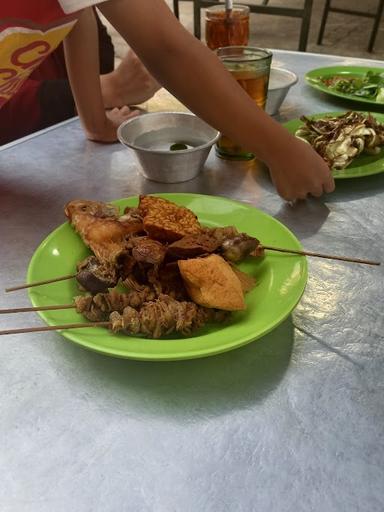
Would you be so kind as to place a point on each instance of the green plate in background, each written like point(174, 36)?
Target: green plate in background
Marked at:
point(281, 279)
point(363, 165)
point(313, 79)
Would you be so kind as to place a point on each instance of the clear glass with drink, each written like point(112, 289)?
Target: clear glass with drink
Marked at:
point(250, 67)
point(226, 27)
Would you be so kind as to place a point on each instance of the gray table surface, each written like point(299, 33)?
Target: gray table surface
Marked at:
point(291, 422)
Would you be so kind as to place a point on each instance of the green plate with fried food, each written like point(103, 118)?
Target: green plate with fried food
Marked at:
point(352, 143)
point(280, 282)
point(355, 83)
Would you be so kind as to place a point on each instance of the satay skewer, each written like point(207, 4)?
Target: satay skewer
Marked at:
point(36, 308)
point(39, 283)
point(267, 247)
point(154, 319)
point(102, 302)
point(79, 325)
point(320, 255)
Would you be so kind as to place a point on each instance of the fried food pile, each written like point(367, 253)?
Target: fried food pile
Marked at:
point(340, 139)
point(176, 274)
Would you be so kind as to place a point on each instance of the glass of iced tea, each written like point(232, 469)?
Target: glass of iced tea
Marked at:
point(250, 67)
point(226, 27)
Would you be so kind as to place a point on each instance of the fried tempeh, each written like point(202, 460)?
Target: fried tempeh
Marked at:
point(166, 221)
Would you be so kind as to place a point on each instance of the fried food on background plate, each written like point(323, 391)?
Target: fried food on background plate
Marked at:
point(165, 221)
point(212, 283)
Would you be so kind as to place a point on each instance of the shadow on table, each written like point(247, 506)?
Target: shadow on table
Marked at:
point(303, 218)
point(356, 188)
point(185, 389)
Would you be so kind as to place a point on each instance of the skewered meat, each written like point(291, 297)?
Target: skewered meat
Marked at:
point(98, 307)
point(222, 233)
point(146, 250)
point(133, 248)
point(96, 277)
point(234, 246)
point(166, 221)
point(237, 248)
point(168, 281)
point(191, 246)
point(164, 316)
point(101, 230)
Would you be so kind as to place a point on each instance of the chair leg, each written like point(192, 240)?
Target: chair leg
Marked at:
point(176, 8)
point(323, 21)
point(264, 2)
point(376, 26)
point(304, 32)
point(196, 18)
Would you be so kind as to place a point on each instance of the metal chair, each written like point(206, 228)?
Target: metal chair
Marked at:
point(304, 13)
point(377, 16)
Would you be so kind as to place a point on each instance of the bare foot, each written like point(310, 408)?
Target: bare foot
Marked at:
point(129, 84)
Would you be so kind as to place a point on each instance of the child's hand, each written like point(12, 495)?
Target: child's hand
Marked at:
point(298, 171)
point(113, 120)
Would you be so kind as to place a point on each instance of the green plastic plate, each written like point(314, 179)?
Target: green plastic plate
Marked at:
point(281, 279)
point(313, 79)
point(363, 165)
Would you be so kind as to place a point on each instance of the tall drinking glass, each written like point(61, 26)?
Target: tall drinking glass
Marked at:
point(250, 67)
point(226, 27)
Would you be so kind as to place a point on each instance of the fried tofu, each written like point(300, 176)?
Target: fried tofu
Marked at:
point(247, 282)
point(165, 221)
point(212, 283)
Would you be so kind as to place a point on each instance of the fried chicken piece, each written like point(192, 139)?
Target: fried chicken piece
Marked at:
point(166, 221)
point(132, 214)
point(100, 228)
point(164, 316)
point(94, 208)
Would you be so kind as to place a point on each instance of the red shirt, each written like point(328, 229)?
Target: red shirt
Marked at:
point(33, 73)
point(29, 31)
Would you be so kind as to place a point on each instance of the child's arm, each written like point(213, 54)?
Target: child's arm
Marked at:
point(194, 74)
point(82, 61)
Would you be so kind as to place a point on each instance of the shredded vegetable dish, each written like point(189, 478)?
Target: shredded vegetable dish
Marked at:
point(340, 139)
point(369, 86)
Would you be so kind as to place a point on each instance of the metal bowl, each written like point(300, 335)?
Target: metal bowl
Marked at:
point(280, 81)
point(171, 147)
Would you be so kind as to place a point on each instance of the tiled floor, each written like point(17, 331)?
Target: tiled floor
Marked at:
point(345, 34)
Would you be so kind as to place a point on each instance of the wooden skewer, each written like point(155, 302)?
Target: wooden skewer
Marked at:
point(268, 247)
point(319, 255)
point(38, 283)
point(55, 327)
point(36, 308)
